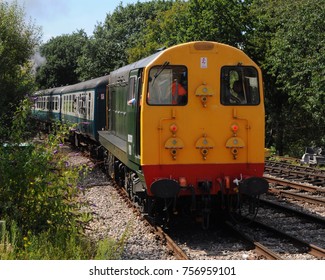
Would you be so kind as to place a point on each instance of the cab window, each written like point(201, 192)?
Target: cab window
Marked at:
point(167, 85)
point(239, 86)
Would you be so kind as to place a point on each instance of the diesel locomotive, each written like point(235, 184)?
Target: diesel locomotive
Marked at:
point(181, 130)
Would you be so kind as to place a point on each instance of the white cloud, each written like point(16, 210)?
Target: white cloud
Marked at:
point(43, 8)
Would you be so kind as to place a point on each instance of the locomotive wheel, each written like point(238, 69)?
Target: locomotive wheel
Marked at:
point(109, 165)
point(76, 140)
point(242, 208)
point(128, 184)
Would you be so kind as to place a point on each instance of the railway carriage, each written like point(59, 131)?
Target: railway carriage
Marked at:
point(82, 104)
point(181, 130)
point(47, 105)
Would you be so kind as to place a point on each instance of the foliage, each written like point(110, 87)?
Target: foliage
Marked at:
point(61, 54)
point(46, 245)
point(38, 187)
point(194, 20)
point(163, 30)
point(60, 246)
point(107, 50)
point(217, 20)
point(298, 62)
point(18, 40)
point(290, 48)
point(39, 200)
point(109, 249)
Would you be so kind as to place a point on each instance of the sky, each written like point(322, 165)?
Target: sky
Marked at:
point(57, 17)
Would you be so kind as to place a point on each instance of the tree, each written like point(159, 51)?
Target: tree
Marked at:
point(225, 21)
point(61, 54)
point(107, 49)
point(291, 52)
point(18, 41)
point(163, 30)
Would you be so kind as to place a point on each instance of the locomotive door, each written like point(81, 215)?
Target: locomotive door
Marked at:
point(100, 108)
point(133, 116)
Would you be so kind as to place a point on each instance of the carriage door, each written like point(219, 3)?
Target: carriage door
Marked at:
point(133, 116)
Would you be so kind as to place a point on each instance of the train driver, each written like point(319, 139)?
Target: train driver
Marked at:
point(239, 90)
point(179, 93)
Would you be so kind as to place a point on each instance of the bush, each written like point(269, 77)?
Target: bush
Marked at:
point(38, 187)
point(39, 199)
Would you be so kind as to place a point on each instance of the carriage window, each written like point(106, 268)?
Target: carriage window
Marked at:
point(167, 85)
point(56, 103)
point(239, 86)
point(89, 105)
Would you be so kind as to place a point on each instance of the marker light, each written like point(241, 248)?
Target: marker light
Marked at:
point(173, 128)
point(234, 127)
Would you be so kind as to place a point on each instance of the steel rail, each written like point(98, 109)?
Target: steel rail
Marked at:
point(314, 176)
point(293, 165)
point(258, 247)
point(177, 251)
point(303, 214)
point(312, 249)
point(164, 237)
point(297, 196)
point(295, 185)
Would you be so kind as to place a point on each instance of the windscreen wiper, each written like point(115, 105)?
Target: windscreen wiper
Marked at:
point(162, 68)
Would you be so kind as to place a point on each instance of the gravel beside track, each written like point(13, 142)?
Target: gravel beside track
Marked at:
point(112, 218)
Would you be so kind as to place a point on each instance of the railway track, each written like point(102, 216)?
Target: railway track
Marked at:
point(286, 243)
point(303, 174)
point(297, 191)
point(275, 244)
point(174, 249)
point(305, 229)
point(286, 232)
point(259, 248)
point(290, 244)
point(298, 184)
